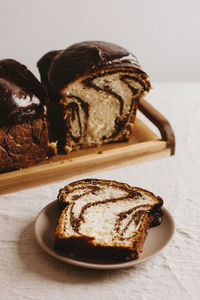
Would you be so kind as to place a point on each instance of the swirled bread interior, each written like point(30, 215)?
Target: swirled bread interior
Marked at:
point(102, 217)
point(101, 108)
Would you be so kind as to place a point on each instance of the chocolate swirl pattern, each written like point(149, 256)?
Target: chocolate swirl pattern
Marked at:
point(96, 85)
point(101, 108)
point(108, 213)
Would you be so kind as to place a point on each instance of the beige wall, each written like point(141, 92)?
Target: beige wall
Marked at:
point(165, 35)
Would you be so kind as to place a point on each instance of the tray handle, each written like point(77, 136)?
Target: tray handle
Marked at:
point(160, 122)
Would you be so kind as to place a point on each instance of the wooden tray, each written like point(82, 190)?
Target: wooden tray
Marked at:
point(145, 145)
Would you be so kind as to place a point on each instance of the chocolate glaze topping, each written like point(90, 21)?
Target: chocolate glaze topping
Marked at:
point(44, 63)
point(20, 92)
point(90, 59)
point(83, 59)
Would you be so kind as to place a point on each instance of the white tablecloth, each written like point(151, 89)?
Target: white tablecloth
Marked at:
point(27, 272)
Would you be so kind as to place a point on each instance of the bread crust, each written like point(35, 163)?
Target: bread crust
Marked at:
point(23, 144)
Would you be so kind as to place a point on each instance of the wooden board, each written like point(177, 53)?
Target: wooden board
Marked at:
point(145, 145)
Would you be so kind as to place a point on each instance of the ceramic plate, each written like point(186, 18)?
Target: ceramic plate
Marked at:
point(46, 222)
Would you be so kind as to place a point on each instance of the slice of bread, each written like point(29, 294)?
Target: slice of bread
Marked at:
point(105, 219)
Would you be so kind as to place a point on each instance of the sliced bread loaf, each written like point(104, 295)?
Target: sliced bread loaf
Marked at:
point(94, 88)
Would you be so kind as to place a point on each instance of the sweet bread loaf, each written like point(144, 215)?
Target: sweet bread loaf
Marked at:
point(23, 126)
point(94, 88)
point(105, 219)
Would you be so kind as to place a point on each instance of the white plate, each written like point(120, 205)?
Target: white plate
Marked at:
point(45, 226)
